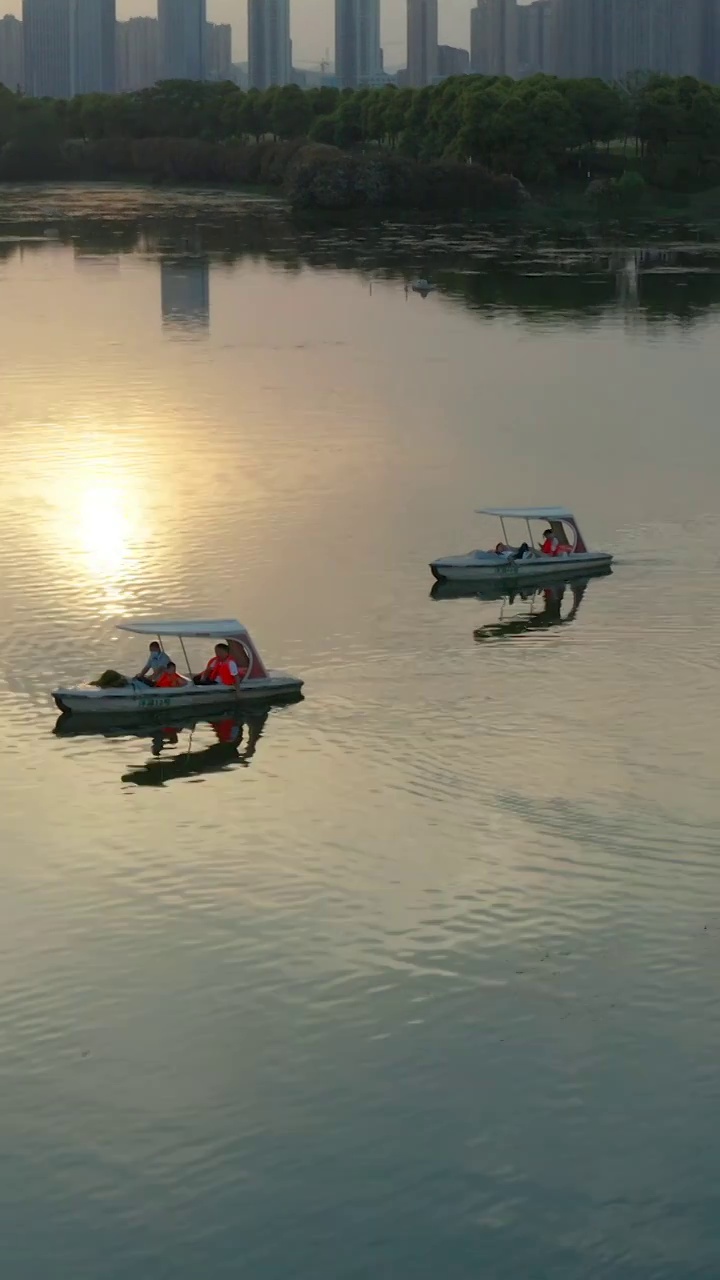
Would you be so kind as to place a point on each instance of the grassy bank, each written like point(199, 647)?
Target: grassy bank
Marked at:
point(323, 180)
point(309, 176)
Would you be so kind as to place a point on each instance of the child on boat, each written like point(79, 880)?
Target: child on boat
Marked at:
point(170, 678)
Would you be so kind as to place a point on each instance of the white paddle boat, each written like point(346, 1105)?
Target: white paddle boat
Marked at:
point(523, 560)
point(257, 683)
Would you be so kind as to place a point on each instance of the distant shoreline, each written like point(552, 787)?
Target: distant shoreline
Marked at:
point(542, 148)
point(562, 206)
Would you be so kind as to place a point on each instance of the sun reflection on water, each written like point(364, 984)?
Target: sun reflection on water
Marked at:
point(105, 531)
point(101, 501)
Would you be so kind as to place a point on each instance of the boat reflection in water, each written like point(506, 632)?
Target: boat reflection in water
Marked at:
point(236, 742)
point(552, 605)
point(171, 745)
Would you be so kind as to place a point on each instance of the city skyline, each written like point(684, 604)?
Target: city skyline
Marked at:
point(315, 32)
point(74, 46)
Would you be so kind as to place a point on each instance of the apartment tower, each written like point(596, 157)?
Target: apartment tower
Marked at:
point(269, 47)
point(181, 39)
point(422, 42)
point(358, 56)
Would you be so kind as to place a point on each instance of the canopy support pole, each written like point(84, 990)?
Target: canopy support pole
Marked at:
point(502, 524)
point(187, 661)
point(532, 544)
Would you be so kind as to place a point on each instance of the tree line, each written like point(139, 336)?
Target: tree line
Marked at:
point(536, 129)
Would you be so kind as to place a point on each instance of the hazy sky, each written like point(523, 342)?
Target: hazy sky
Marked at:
point(312, 24)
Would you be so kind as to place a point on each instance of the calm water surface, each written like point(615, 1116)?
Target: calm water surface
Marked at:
point(421, 978)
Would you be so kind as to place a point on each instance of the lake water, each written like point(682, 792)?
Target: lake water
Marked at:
point(420, 979)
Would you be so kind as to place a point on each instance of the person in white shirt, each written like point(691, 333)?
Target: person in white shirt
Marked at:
point(157, 662)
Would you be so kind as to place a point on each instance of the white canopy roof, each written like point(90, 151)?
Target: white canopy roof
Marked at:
point(211, 628)
point(527, 513)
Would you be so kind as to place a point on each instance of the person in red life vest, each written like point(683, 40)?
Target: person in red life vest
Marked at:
point(550, 543)
point(222, 669)
point(170, 678)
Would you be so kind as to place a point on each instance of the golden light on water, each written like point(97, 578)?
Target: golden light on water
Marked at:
point(105, 530)
point(100, 504)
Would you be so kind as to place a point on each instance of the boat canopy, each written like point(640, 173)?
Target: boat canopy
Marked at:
point(527, 513)
point(210, 628)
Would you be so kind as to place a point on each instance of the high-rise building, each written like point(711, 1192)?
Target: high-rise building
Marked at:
point(92, 46)
point(422, 42)
point(269, 48)
point(218, 51)
point(710, 56)
point(637, 37)
point(136, 48)
point(452, 62)
point(358, 56)
point(494, 38)
point(46, 47)
point(478, 41)
point(571, 39)
point(181, 39)
point(582, 36)
point(533, 37)
point(12, 61)
point(614, 39)
point(689, 44)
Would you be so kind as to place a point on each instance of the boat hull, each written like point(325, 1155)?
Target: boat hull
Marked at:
point(510, 590)
point(130, 703)
point(484, 567)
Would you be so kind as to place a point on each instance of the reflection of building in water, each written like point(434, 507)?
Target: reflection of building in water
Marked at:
point(628, 268)
point(185, 293)
point(95, 260)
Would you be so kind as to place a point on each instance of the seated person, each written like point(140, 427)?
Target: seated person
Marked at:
point(550, 543)
point(502, 549)
point(522, 551)
point(221, 669)
point(170, 678)
point(157, 663)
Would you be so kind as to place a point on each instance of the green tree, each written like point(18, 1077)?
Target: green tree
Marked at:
point(324, 100)
point(325, 130)
point(252, 116)
point(349, 121)
point(601, 109)
point(35, 149)
point(290, 113)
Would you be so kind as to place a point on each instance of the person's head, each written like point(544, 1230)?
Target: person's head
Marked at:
point(155, 647)
point(171, 667)
point(222, 651)
point(548, 533)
